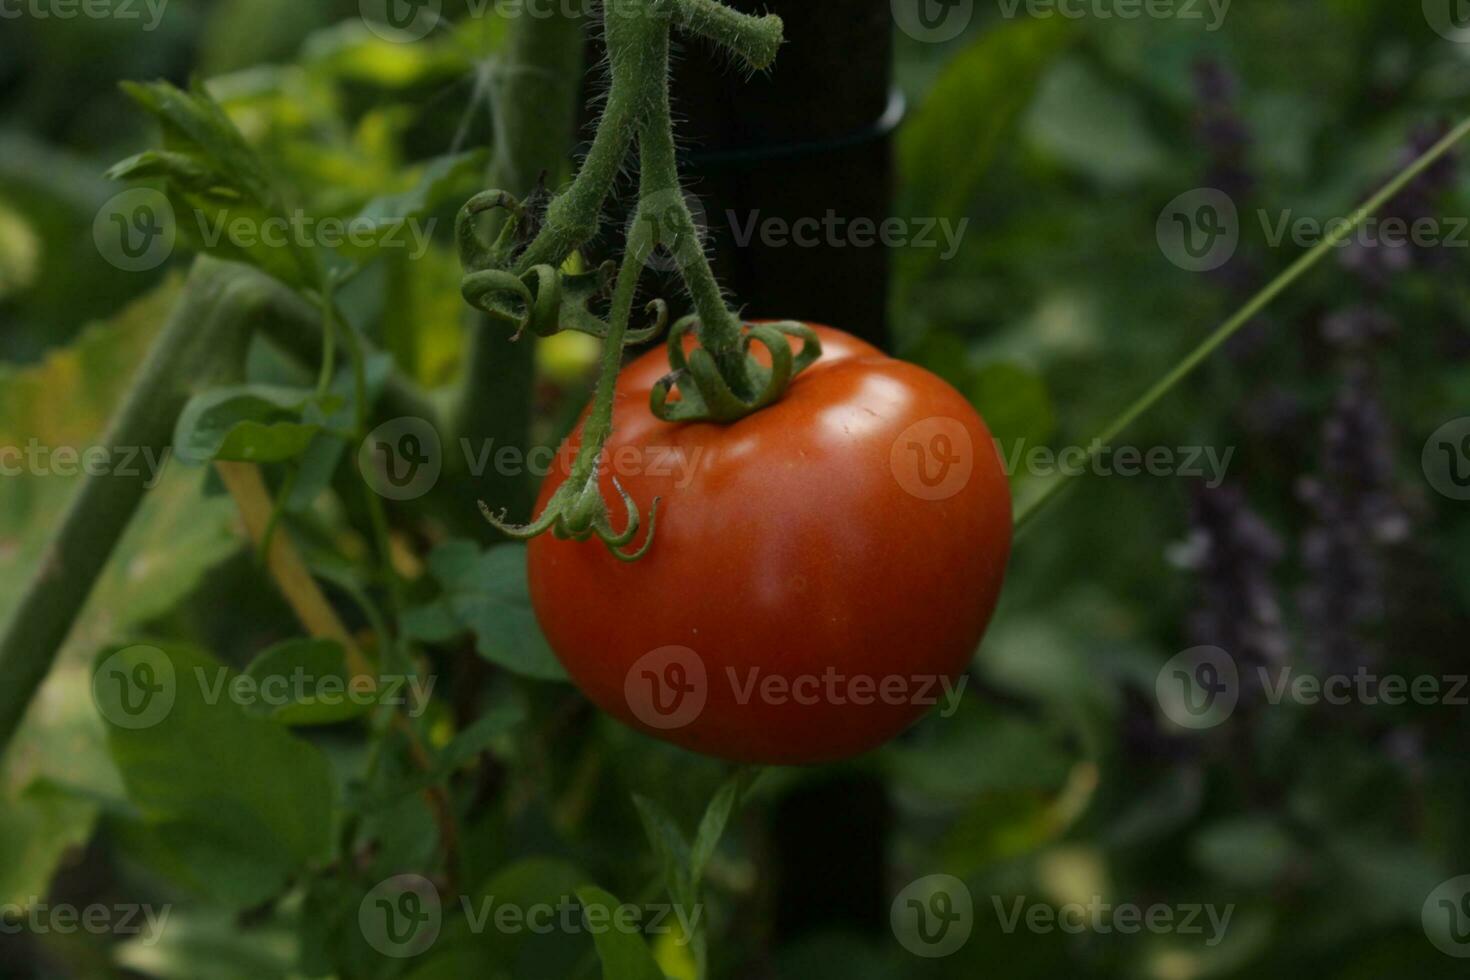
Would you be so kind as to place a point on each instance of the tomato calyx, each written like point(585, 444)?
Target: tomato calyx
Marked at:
point(577, 512)
point(544, 299)
point(708, 394)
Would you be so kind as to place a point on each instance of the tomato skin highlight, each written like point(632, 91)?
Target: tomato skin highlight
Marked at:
point(832, 561)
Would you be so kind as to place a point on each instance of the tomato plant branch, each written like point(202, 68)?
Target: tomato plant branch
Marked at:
point(534, 95)
point(202, 343)
point(518, 277)
point(1027, 512)
point(754, 39)
point(247, 487)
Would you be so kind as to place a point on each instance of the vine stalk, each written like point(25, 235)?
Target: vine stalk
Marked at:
point(1028, 511)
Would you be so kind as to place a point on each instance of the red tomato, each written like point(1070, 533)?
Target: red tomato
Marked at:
point(821, 571)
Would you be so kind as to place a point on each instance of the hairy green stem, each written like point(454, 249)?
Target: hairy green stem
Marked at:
point(599, 421)
point(203, 343)
point(719, 328)
point(755, 39)
point(1028, 511)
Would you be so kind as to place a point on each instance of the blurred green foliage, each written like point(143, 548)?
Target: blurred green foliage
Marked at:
point(1057, 780)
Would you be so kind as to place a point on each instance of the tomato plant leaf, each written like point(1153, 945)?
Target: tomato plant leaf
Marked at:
point(671, 849)
point(1016, 405)
point(485, 593)
point(716, 816)
point(624, 955)
point(236, 800)
point(220, 190)
point(389, 220)
point(58, 771)
point(526, 893)
point(955, 136)
point(305, 682)
point(246, 423)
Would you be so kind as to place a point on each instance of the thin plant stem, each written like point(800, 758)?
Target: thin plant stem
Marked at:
point(1028, 511)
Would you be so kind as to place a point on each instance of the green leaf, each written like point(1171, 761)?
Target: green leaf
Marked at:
point(1094, 127)
point(352, 52)
point(1015, 404)
point(195, 942)
point(235, 805)
point(479, 736)
point(520, 952)
point(485, 592)
point(58, 769)
point(953, 139)
point(305, 682)
point(1253, 851)
point(245, 423)
point(220, 189)
point(624, 955)
point(683, 865)
point(716, 816)
point(671, 849)
point(20, 252)
point(337, 414)
point(386, 220)
point(36, 829)
point(196, 129)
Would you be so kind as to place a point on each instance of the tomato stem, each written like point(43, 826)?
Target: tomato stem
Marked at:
point(1028, 511)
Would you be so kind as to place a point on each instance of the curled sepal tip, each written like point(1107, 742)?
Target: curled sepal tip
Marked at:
point(704, 393)
point(578, 513)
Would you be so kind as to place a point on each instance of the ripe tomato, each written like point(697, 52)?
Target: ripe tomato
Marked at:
point(820, 572)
